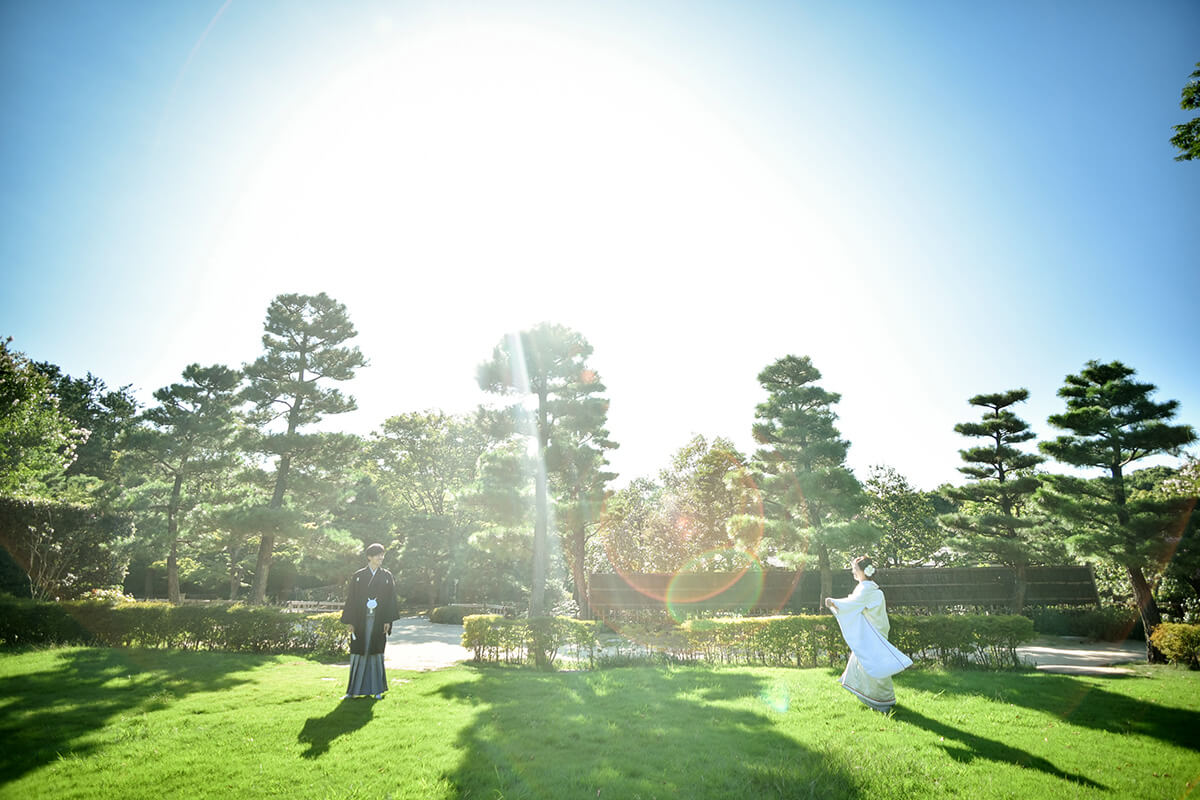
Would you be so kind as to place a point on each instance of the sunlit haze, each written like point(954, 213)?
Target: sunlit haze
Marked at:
point(931, 201)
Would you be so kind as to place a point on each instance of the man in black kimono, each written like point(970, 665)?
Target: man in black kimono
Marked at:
point(369, 612)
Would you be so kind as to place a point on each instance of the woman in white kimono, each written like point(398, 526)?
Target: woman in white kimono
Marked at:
point(863, 619)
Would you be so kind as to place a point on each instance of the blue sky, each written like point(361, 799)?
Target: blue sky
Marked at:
point(932, 200)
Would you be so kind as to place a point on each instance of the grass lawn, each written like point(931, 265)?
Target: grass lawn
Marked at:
point(80, 722)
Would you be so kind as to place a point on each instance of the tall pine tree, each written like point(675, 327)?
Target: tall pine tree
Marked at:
point(1002, 530)
point(1114, 423)
point(304, 349)
point(803, 458)
point(548, 364)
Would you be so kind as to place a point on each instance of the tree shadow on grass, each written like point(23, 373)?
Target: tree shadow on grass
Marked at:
point(981, 747)
point(348, 715)
point(1076, 702)
point(47, 714)
point(633, 732)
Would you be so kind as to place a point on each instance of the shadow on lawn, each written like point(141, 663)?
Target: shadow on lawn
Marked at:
point(1076, 702)
point(633, 732)
point(348, 715)
point(980, 747)
point(47, 713)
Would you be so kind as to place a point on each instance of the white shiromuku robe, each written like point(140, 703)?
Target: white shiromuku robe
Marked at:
point(862, 616)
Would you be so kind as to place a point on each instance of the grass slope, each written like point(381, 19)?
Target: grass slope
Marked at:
point(93, 723)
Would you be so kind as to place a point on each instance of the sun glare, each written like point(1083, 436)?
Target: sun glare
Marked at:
point(521, 161)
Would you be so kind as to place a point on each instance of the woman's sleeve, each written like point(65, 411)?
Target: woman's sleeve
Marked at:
point(855, 601)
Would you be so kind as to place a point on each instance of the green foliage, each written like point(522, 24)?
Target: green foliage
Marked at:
point(548, 363)
point(103, 415)
point(184, 445)
point(1104, 624)
point(1001, 529)
point(1113, 423)
point(217, 626)
point(304, 348)
point(65, 549)
point(811, 499)
point(492, 637)
point(37, 439)
point(1187, 134)
point(704, 513)
point(809, 641)
point(1178, 642)
point(424, 465)
point(454, 615)
point(907, 519)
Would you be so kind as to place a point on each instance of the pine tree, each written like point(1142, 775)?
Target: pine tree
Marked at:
point(304, 343)
point(803, 458)
point(1002, 531)
point(188, 435)
point(548, 363)
point(1114, 423)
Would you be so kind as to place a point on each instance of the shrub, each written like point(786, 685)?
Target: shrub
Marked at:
point(491, 637)
point(25, 623)
point(1179, 642)
point(1105, 624)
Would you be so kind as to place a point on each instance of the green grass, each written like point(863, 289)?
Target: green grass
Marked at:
point(96, 723)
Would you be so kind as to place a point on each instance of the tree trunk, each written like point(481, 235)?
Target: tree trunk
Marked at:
point(1020, 585)
point(579, 572)
point(537, 593)
point(1151, 619)
point(173, 595)
point(826, 575)
point(266, 546)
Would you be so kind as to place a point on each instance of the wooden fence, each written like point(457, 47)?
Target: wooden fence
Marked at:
point(778, 590)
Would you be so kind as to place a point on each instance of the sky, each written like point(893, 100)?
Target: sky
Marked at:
point(932, 200)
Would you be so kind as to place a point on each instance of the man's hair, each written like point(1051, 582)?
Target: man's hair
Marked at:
point(375, 549)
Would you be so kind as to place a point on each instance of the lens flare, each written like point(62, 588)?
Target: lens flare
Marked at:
point(776, 697)
point(693, 589)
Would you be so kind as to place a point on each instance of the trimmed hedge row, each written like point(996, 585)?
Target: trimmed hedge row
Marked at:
point(1179, 642)
point(226, 627)
point(810, 641)
point(516, 641)
point(793, 640)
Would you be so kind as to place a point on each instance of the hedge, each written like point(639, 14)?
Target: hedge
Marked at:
point(226, 627)
point(1105, 624)
point(793, 640)
point(809, 641)
point(1179, 642)
point(492, 637)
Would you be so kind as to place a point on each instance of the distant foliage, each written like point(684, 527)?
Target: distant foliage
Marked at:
point(66, 550)
point(1104, 624)
point(1179, 643)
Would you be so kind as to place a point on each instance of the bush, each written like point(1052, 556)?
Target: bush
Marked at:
point(491, 637)
point(456, 613)
point(1104, 624)
point(1179, 642)
point(26, 623)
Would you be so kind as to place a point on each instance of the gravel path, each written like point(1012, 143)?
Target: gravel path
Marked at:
point(419, 645)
